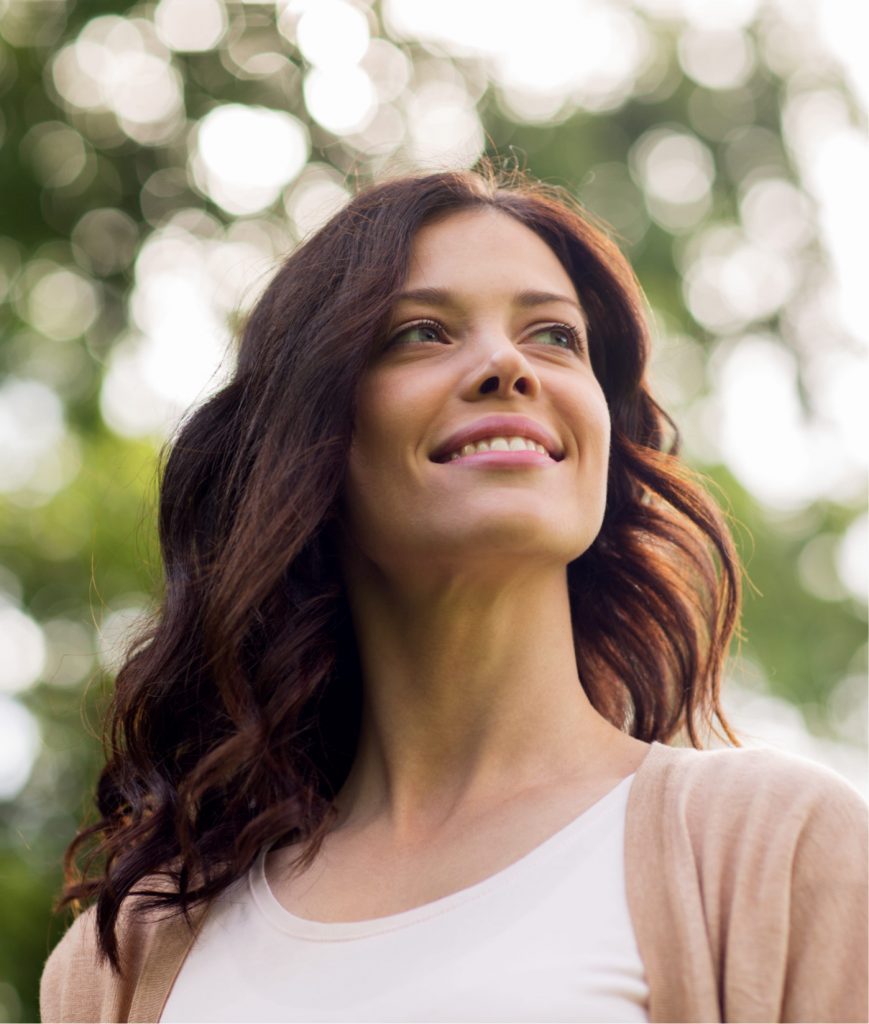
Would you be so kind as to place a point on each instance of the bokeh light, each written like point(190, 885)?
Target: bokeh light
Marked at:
point(120, 65)
point(190, 25)
point(70, 654)
point(318, 195)
point(22, 650)
point(117, 630)
point(716, 58)
point(332, 34)
point(676, 172)
point(443, 127)
point(852, 558)
point(764, 433)
point(59, 154)
point(19, 746)
point(340, 99)
point(731, 282)
point(589, 53)
point(105, 240)
point(59, 302)
point(244, 156)
point(38, 456)
point(172, 360)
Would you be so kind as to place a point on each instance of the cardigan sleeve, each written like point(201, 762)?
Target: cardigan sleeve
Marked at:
point(76, 985)
point(787, 895)
point(779, 854)
point(828, 950)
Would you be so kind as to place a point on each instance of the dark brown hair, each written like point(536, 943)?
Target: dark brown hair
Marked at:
point(235, 717)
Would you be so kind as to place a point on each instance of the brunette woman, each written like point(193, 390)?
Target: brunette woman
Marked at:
point(412, 736)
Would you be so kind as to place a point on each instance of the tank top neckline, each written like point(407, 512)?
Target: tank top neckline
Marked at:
point(333, 931)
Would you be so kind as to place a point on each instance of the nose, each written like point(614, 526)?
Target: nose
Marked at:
point(503, 371)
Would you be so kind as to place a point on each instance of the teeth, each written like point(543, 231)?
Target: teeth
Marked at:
point(499, 444)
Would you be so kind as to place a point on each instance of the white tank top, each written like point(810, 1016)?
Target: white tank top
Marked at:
point(547, 938)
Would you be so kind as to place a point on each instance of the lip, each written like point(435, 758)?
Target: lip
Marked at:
point(502, 460)
point(498, 426)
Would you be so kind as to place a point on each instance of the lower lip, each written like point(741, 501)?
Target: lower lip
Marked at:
point(501, 459)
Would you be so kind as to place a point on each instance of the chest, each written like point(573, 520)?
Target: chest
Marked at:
point(549, 937)
point(363, 874)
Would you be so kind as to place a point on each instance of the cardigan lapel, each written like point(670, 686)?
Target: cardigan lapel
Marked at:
point(170, 943)
point(663, 893)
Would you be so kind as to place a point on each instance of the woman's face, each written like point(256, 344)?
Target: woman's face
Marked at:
point(488, 325)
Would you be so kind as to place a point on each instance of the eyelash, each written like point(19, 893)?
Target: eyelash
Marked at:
point(576, 342)
point(433, 324)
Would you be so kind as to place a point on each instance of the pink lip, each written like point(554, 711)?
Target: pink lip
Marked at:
point(498, 426)
point(511, 460)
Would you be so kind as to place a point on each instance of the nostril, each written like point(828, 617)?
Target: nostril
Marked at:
point(491, 384)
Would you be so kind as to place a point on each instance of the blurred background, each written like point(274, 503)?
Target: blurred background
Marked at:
point(158, 160)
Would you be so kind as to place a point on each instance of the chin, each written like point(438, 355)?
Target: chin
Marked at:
point(509, 537)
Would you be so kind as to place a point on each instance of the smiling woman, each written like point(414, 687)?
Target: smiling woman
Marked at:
point(411, 735)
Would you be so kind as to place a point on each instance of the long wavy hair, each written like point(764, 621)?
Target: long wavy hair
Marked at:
point(235, 717)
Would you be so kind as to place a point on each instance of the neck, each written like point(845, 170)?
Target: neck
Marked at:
point(472, 692)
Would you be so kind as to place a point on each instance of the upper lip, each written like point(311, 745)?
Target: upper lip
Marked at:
point(498, 426)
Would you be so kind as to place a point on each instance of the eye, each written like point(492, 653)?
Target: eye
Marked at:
point(561, 335)
point(422, 330)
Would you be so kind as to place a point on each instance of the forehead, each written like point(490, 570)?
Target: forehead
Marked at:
point(484, 248)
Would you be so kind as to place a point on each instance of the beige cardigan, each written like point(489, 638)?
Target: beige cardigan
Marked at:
point(746, 875)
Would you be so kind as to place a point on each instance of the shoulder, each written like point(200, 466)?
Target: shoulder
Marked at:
point(75, 978)
point(740, 779)
point(759, 858)
point(78, 982)
point(761, 798)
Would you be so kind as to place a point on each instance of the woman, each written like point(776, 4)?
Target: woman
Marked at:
point(438, 595)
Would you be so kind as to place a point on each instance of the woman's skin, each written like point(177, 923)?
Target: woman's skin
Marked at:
point(478, 741)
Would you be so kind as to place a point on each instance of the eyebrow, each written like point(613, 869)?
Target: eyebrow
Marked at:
point(526, 299)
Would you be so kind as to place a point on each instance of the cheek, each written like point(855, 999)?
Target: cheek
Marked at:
point(604, 428)
point(385, 408)
point(591, 426)
point(367, 427)
point(374, 432)
point(364, 496)
point(394, 411)
point(375, 476)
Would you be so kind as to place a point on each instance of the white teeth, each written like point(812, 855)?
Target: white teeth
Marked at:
point(499, 444)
